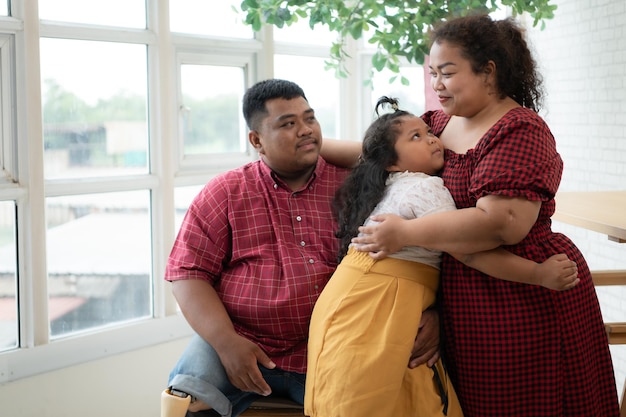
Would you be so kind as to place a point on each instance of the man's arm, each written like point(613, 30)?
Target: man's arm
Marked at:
point(205, 312)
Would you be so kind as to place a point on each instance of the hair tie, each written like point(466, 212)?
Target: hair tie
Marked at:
point(394, 106)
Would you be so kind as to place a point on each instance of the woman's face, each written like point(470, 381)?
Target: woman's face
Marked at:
point(461, 91)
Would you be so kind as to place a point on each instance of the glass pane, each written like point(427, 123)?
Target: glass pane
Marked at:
point(99, 260)
point(211, 112)
point(4, 7)
point(320, 86)
point(94, 108)
point(8, 277)
point(215, 18)
point(124, 13)
point(183, 196)
point(300, 32)
point(412, 97)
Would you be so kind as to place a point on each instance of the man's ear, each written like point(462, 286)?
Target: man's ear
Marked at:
point(255, 140)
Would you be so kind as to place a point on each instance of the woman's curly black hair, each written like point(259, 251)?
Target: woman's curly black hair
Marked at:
point(365, 186)
point(483, 39)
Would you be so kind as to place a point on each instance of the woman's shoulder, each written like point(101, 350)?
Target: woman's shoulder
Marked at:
point(522, 115)
point(436, 119)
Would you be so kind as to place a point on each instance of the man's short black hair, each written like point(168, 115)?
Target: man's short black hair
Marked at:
point(254, 100)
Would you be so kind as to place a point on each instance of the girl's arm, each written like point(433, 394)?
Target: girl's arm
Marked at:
point(342, 153)
point(556, 273)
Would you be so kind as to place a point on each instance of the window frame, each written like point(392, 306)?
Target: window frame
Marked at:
point(209, 163)
point(8, 157)
point(37, 352)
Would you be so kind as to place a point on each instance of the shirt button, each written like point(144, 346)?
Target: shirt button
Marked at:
point(302, 243)
point(275, 186)
point(316, 287)
point(311, 261)
point(299, 218)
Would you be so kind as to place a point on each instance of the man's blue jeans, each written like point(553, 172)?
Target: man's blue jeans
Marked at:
point(199, 373)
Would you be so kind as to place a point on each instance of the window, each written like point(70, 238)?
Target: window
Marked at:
point(8, 160)
point(99, 260)
point(9, 194)
point(411, 97)
point(125, 13)
point(212, 131)
point(130, 119)
point(212, 98)
point(215, 18)
point(8, 277)
point(320, 86)
point(94, 108)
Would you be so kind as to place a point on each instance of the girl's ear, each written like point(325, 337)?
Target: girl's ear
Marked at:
point(393, 168)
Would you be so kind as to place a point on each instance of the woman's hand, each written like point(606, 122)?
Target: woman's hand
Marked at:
point(383, 238)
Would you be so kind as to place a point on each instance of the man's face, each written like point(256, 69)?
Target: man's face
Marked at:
point(289, 138)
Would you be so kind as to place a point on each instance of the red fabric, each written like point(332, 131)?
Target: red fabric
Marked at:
point(267, 250)
point(515, 349)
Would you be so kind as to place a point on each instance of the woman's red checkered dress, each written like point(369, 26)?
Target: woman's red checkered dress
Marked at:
point(515, 349)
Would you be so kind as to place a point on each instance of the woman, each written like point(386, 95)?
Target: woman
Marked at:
point(512, 349)
point(364, 322)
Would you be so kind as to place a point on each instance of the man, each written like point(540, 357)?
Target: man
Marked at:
point(254, 252)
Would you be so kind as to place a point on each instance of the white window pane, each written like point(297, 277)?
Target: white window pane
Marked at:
point(8, 277)
point(183, 196)
point(94, 108)
point(211, 110)
point(99, 260)
point(123, 13)
point(300, 32)
point(8, 141)
point(320, 86)
point(4, 7)
point(215, 18)
point(411, 97)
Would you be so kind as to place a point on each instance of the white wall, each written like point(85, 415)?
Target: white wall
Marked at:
point(128, 384)
point(582, 53)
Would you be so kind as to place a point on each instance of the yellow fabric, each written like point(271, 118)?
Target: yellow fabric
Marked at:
point(360, 340)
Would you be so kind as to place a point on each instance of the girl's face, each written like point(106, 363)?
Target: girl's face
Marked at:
point(417, 148)
point(461, 91)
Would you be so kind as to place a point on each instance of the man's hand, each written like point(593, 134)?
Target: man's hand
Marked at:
point(426, 346)
point(241, 359)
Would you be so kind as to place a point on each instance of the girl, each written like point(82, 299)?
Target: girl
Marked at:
point(364, 323)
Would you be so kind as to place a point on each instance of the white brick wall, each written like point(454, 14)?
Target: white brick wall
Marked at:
point(582, 55)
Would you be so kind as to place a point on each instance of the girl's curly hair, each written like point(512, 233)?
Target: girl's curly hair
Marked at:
point(365, 186)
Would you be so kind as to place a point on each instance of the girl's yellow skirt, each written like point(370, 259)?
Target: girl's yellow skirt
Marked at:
point(360, 341)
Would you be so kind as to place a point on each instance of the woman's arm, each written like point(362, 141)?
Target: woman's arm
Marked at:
point(342, 153)
point(556, 273)
point(495, 221)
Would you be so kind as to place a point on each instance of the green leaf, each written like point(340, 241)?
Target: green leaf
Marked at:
point(400, 26)
point(379, 61)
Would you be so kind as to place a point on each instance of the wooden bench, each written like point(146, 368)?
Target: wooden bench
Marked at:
point(271, 406)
